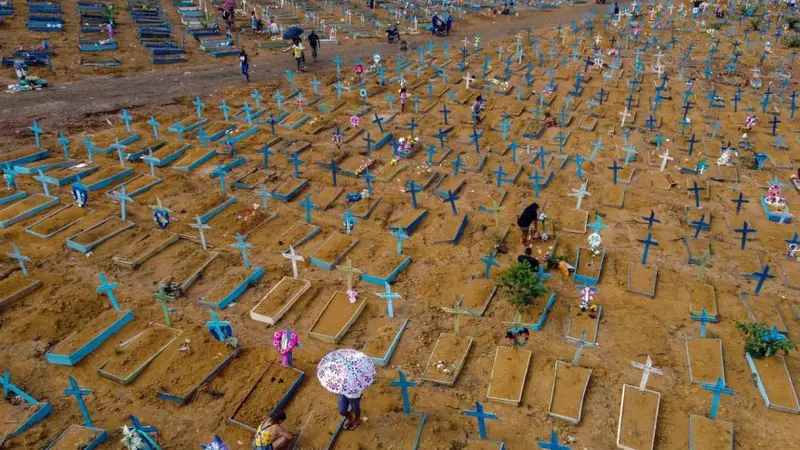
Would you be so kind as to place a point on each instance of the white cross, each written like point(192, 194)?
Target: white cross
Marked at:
point(598, 39)
point(468, 78)
point(465, 41)
point(625, 115)
point(659, 55)
point(580, 193)
point(294, 257)
point(671, 7)
point(664, 158)
point(646, 368)
point(652, 15)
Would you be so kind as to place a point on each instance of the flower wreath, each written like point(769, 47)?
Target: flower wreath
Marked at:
point(278, 337)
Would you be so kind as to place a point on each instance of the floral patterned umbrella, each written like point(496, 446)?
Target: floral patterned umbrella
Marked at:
point(347, 372)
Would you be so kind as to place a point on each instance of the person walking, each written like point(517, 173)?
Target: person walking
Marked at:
point(297, 50)
point(244, 65)
point(313, 42)
point(529, 217)
point(403, 99)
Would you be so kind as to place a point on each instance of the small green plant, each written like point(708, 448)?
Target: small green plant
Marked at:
point(552, 261)
point(761, 341)
point(793, 22)
point(521, 285)
point(755, 23)
point(793, 41)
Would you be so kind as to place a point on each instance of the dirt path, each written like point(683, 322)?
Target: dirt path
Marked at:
point(70, 102)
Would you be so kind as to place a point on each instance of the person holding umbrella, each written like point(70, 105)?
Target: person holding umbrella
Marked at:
point(347, 373)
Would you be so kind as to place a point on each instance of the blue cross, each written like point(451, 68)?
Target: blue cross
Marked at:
point(247, 113)
point(718, 389)
point(279, 99)
point(444, 112)
point(265, 150)
point(457, 164)
point(793, 241)
point(440, 136)
point(745, 230)
point(139, 427)
point(696, 190)
point(700, 225)
point(224, 107)
point(349, 220)
point(108, 289)
point(597, 226)
point(536, 178)
point(704, 320)
point(553, 444)
point(315, 85)
point(541, 275)
point(219, 329)
point(761, 277)
point(37, 130)
point(513, 146)
point(774, 122)
point(412, 126)
point(479, 414)
point(501, 176)
point(378, 120)
point(76, 390)
point(451, 198)
point(154, 124)
point(542, 154)
point(475, 139)
point(403, 384)
point(489, 262)
point(368, 177)
point(296, 162)
point(19, 257)
point(338, 62)
point(334, 169)
point(389, 296)
point(579, 160)
point(199, 105)
point(647, 244)
point(222, 172)
point(257, 97)
point(123, 198)
point(308, 205)
point(62, 139)
point(242, 246)
point(127, 119)
point(412, 188)
point(401, 236)
point(596, 147)
point(430, 151)
point(369, 141)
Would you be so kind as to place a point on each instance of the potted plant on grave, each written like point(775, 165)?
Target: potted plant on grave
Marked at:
point(762, 342)
point(521, 286)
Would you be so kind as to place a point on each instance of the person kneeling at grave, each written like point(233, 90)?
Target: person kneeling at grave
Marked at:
point(526, 219)
point(270, 435)
point(528, 258)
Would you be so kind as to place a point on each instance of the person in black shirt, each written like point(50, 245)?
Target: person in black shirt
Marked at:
point(527, 258)
point(244, 64)
point(313, 42)
point(529, 216)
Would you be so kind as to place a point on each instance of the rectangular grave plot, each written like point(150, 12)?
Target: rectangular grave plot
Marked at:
point(387, 430)
point(587, 123)
point(695, 249)
point(580, 321)
point(569, 390)
point(385, 268)
point(133, 357)
point(638, 417)
point(218, 204)
point(363, 208)
point(26, 208)
point(15, 287)
point(477, 295)
point(234, 283)
point(279, 300)
point(98, 233)
point(450, 352)
point(289, 189)
point(451, 229)
point(626, 175)
point(336, 318)
point(791, 274)
point(144, 248)
point(8, 196)
point(81, 343)
point(23, 156)
point(588, 266)
point(189, 268)
point(188, 371)
point(271, 392)
point(14, 419)
point(58, 221)
point(67, 175)
point(774, 383)
point(509, 372)
point(574, 221)
point(383, 340)
point(79, 437)
point(388, 172)
point(763, 309)
point(294, 147)
point(333, 250)
point(614, 195)
point(706, 362)
point(535, 315)
point(105, 176)
point(296, 235)
point(449, 183)
point(193, 159)
point(642, 279)
point(463, 96)
point(702, 296)
point(324, 199)
point(663, 181)
point(137, 185)
point(710, 434)
point(324, 432)
point(169, 153)
point(252, 178)
point(409, 220)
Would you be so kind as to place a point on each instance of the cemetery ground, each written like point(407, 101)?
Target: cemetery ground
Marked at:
point(447, 310)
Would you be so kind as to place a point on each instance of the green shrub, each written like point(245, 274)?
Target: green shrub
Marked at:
point(760, 342)
point(521, 285)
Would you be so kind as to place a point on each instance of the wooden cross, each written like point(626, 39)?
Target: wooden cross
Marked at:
point(294, 257)
point(350, 272)
point(457, 311)
point(162, 297)
point(646, 368)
